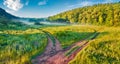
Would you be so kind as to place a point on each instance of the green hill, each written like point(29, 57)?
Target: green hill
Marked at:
point(100, 14)
point(8, 21)
point(4, 14)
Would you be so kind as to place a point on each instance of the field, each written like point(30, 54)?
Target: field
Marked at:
point(20, 46)
point(68, 35)
point(102, 50)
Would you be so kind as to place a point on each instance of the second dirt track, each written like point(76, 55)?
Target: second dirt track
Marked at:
point(54, 54)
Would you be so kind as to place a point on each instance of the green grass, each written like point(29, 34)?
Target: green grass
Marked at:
point(67, 35)
point(102, 50)
point(71, 50)
point(18, 47)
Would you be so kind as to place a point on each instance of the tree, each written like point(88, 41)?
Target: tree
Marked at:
point(103, 14)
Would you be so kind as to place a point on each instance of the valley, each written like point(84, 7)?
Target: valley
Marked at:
point(85, 35)
point(22, 45)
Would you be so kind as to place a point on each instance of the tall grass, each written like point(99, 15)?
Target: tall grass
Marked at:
point(67, 35)
point(102, 50)
point(18, 47)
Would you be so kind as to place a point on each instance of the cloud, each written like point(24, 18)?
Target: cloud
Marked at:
point(13, 4)
point(27, 2)
point(71, 6)
point(108, 1)
point(82, 4)
point(86, 3)
point(42, 2)
point(89, 3)
point(10, 11)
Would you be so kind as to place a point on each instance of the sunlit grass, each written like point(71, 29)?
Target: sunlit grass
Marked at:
point(18, 47)
point(67, 35)
point(102, 50)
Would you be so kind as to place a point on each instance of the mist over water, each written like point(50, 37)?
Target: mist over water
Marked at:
point(27, 22)
point(52, 23)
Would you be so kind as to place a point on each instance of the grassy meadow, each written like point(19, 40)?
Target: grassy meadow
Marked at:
point(67, 35)
point(102, 50)
point(20, 46)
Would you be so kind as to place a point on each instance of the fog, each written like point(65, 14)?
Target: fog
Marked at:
point(52, 23)
point(27, 22)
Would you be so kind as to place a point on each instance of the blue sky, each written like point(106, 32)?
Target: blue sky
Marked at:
point(45, 8)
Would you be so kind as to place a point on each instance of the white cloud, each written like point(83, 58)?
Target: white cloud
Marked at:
point(81, 4)
point(72, 5)
point(86, 3)
point(42, 2)
point(27, 2)
point(108, 1)
point(13, 4)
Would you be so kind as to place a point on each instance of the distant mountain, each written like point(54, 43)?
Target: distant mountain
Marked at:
point(4, 14)
point(8, 21)
point(100, 14)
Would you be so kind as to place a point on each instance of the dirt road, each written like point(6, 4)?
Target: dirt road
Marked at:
point(54, 54)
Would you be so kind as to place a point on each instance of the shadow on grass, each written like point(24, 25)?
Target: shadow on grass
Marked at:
point(68, 38)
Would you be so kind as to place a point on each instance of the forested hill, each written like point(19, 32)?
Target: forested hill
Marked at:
point(4, 14)
point(101, 14)
point(7, 20)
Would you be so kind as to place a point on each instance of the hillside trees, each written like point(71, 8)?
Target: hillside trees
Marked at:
point(101, 14)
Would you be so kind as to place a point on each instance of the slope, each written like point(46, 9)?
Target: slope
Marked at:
point(8, 21)
point(100, 14)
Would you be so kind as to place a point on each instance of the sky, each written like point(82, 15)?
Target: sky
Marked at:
point(45, 8)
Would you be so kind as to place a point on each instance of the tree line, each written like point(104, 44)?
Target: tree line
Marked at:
point(100, 14)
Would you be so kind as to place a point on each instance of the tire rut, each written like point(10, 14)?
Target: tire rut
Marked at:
point(54, 54)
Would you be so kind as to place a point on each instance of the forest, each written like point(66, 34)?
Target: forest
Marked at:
point(99, 14)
